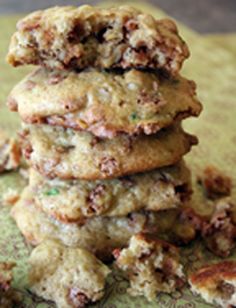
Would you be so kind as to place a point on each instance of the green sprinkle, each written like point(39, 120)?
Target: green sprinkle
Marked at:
point(133, 116)
point(52, 192)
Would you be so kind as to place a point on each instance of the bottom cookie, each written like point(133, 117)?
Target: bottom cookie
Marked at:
point(98, 235)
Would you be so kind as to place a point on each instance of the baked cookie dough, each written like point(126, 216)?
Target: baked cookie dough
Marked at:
point(78, 200)
point(216, 283)
point(71, 277)
point(78, 37)
point(103, 103)
point(152, 266)
point(67, 154)
point(99, 235)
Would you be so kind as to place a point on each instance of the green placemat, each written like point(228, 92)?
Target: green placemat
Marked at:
point(213, 67)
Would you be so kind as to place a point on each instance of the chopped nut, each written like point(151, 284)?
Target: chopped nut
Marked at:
point(95, 199)
point(108, 165)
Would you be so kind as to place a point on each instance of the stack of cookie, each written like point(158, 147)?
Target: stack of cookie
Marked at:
point(101, 124)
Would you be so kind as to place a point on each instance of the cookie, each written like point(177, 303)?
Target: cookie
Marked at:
point(71, 277)
point(103, 103)
point(79, 37)
point(99, 235)
point(152, 266)
point(67, 154)
point(78, 200)
point(216, 283)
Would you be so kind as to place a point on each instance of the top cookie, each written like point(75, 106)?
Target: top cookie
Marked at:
point(80, 37)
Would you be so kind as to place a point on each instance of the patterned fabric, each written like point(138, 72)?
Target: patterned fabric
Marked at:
point(213, 67)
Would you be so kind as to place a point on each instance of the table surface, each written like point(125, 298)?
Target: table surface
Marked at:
point(205, 16)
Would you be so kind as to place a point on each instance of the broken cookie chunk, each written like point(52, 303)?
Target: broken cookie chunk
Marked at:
point(219, 233)
point(71, 277)
point(215, 182)
point(151, 265)
point(216, 283)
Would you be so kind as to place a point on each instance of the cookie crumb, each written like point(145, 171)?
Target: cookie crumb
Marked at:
point(215, 182)
point(219, 233)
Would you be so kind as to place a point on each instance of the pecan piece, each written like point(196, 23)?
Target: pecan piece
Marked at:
point(108, 165)
point(94, 199)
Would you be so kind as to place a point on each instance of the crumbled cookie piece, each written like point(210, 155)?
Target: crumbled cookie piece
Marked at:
point(71, 277)
point(151, 265)
point(10, 197)
point(10, 153)
point(216, 283)
point(8, 296)
point(78, 37)
point(215, 182)
point(219, 233)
